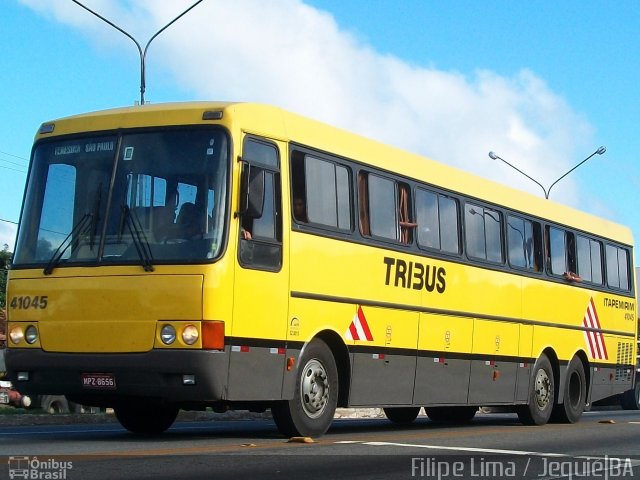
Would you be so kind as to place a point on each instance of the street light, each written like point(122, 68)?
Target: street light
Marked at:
point(546, 191)
point(143, 55)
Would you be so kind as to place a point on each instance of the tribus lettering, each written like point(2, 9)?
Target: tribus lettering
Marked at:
point(415, 275)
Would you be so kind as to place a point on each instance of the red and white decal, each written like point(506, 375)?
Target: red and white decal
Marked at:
point(593, 339)
point(359, 328)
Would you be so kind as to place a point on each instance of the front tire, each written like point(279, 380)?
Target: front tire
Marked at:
point(541, 394)
point(402, 415)
point(146, 418)
point(574, 394)
point(310, 412)
point(55, 404)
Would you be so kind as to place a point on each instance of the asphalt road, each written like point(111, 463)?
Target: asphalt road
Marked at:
point(603, 445)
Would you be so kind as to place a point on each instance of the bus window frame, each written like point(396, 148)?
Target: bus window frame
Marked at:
point(275, 172)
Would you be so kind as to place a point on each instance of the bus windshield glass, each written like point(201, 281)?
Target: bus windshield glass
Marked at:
point(145, 197)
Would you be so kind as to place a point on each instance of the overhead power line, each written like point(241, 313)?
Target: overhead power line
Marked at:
point(14, 156)
point(14, 169)
point(12, 163)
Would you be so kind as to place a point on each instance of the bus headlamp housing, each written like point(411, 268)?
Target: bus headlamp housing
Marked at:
point(168, 334)
point(16, 335)
point(190, 334)
point(31, 334)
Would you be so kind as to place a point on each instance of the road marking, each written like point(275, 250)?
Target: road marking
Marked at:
point(465, 449)
point(623, 460)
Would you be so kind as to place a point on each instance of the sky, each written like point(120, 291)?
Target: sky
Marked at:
point(543, 84)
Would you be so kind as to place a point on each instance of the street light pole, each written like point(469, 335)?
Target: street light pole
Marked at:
point(546, 191)
point(143, 54)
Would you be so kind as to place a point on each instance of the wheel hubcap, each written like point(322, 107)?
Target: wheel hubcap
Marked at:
point(543, 390)
point(314, 388)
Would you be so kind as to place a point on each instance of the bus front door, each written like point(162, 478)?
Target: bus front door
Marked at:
point(258, 333)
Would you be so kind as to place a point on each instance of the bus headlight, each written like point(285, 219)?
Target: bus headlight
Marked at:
point(168, 334)
point(31, 334)
point(16, 335)
point(190, 335)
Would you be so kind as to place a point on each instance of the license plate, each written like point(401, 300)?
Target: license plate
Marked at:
point(98, 380)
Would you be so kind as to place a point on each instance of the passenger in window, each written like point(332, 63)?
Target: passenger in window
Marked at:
point(246, 228)
point(245, 234)
point(188, 221)
point(300, 210)
point(164, 223)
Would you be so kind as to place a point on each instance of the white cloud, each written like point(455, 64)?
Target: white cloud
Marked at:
point(7, 235)
point(287, 53)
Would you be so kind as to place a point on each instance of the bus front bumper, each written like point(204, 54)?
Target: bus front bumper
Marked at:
point(172, 376)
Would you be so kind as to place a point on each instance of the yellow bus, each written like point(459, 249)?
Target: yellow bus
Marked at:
point(235, 255)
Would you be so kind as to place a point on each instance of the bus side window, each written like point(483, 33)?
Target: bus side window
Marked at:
point(562, 253)
point(524, 243)
point(383, 220)
point(617, 260)
point(483, 233)
point(437, 221)
point(557, 250)
point(385, 208)
point(321, 192)
point(589, 258)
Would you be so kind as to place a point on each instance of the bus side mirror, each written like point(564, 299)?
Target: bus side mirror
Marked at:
point(252, 191)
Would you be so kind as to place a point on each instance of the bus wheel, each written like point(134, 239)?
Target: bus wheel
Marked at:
point(54, 404)
point(402, 415)
point(575, 392)
point(146, 418)
point(631, 398)
point(541, 394)
point(451, 415)
point(310, 411)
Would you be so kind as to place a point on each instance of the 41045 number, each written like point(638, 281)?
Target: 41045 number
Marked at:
point(26, 302)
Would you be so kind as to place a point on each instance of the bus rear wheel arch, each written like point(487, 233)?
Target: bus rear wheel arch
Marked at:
point(311, 410)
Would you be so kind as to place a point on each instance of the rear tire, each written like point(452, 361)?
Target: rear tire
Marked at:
point(631, 398)
point(402, 415)
point(541, 394)
point(146, 418)
point(310, 411)
point(574, 394)
point(451, 415)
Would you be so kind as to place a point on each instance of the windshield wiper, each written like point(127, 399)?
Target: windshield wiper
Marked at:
point(87, 224)
point(140, 241)
point(76, 232)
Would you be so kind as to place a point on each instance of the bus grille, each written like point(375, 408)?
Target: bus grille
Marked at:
point(624, 360)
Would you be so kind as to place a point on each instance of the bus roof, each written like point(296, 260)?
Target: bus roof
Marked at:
point(277, 123)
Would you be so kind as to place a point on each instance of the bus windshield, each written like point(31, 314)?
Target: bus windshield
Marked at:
point(144, 197)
